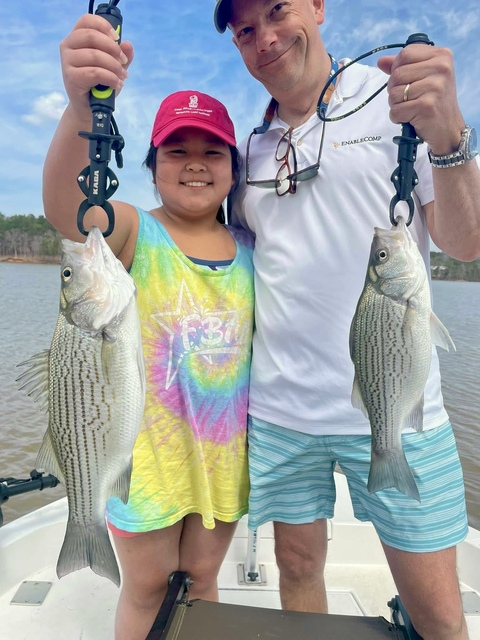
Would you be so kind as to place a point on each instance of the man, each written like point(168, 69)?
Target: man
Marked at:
point(313, 233)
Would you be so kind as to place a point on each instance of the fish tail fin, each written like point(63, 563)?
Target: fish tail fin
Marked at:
point(88, 547)
point(390, 469)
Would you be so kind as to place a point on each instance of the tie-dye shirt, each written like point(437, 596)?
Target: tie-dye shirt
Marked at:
point(190, 456)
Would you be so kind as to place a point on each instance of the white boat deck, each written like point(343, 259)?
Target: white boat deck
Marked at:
point(82, 605)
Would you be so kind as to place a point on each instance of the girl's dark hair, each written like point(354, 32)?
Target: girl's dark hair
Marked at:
point(150, 163)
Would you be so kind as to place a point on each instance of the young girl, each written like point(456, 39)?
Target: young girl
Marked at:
point(195, 298)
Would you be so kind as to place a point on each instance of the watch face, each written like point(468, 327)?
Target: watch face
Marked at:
point(472, 144)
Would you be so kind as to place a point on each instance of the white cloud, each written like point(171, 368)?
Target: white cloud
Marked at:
point(378, 32)
point(461, 24)
point(46, 108)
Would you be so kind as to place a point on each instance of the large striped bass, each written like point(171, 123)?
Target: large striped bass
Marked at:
point(391, 340)
point(92, 383)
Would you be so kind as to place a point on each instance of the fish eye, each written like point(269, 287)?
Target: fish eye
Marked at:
point(67, 274)
point(381, 255)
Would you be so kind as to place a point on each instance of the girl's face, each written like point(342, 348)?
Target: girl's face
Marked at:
point(193, 173)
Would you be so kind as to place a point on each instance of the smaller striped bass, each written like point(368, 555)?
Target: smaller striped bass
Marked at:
point(92, 383)
point(391, 338)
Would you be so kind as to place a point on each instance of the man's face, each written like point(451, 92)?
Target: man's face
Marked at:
point(276, 39)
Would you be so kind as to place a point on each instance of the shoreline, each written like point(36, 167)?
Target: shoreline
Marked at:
point(28, 260)
point(56, 260)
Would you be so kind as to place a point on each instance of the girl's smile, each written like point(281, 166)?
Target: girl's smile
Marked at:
point(196, 184)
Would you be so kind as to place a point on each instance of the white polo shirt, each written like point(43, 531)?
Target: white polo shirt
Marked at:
point(311, 255)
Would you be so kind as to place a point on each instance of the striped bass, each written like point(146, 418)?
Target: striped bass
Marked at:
point(92, 383)
point(391, 338)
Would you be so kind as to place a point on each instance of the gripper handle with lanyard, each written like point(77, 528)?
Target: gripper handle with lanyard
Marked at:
point(405, 177)
point(97, 181)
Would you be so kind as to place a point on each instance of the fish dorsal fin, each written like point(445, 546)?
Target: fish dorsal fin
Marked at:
point(357, 400)
point(35, 379)
point(47, 459)
point(439, 333)
point(415, 419)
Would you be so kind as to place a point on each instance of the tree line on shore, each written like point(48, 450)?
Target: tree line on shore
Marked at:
point(29, 238)
point(443, 267)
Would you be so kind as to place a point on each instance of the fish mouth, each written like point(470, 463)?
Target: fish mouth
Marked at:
point(399, 277)
point(400, 288)
point(73, 307)
point(393, 233)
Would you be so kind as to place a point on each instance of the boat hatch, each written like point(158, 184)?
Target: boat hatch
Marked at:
point(31, 592)
point(471, 603)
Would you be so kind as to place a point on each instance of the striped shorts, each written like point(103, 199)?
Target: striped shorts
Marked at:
point(291, 476)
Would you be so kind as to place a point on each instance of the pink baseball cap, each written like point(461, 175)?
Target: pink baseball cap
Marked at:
point(192, 109)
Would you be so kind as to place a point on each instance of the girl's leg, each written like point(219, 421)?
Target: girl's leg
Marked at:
point(202, 552)
point(146, 561)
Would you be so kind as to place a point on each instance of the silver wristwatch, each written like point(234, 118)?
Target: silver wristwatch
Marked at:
point(466, 151)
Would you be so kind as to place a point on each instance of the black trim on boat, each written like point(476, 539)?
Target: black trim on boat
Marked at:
point(13, 487)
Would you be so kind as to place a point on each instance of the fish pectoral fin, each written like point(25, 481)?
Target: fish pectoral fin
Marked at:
point(415, 419)
point(47, 459)
point(351, 337)
point(440, 335)
point(107, 355)
point(357, 400)
point(35, 379)
point(121, 488)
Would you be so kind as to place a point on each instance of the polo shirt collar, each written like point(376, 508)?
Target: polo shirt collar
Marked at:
point(349, 84)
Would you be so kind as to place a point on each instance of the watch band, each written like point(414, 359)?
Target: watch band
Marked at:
point(466, 151)
point(444, 162)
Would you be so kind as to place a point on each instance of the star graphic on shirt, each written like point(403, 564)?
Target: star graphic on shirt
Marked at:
point(202, 332)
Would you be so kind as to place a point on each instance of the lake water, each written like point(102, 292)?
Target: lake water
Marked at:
point(29, 297)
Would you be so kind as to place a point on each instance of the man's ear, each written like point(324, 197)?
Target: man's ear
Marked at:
point(319, 6)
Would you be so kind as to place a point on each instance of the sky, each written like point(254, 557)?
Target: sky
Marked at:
point(177, 48)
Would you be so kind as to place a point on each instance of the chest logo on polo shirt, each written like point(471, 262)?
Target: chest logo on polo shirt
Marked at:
point(347, 143)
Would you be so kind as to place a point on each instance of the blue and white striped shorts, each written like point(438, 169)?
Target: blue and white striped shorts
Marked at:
point(291, 476)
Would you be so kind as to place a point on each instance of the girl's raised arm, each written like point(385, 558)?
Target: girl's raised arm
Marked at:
point(90, 55)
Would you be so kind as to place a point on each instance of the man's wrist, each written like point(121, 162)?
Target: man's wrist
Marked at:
point(464, 151)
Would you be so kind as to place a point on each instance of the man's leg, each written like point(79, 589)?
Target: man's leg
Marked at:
point(292, 485)
point(301, 551)
point(428, 586)
point(419, 538)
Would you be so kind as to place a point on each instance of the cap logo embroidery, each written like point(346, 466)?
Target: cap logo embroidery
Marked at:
point(195, 109)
